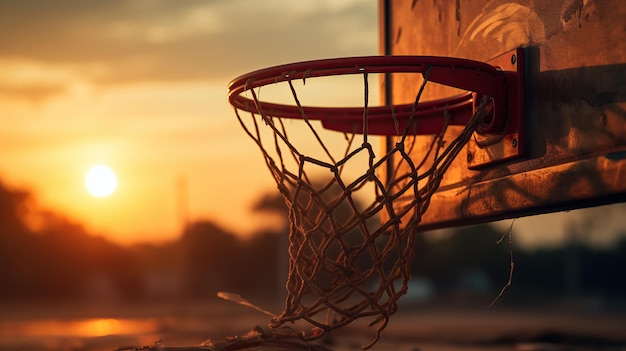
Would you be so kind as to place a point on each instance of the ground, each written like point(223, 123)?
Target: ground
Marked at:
point(97, 327)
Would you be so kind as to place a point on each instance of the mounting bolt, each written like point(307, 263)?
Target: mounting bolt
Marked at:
point(514, 143)
point(513, 59)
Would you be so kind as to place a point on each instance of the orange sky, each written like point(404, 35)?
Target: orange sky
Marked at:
point(140, 85)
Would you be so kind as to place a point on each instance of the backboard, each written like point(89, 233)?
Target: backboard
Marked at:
point(570, 151)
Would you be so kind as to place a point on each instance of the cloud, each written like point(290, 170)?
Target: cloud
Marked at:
point(140, 40)
point(170, 26)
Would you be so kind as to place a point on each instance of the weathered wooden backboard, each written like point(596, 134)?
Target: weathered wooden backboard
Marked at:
point(575, 101)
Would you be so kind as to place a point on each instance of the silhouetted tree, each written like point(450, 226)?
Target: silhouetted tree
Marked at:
point(444, 260)
point(57, 259)
point(213, 256)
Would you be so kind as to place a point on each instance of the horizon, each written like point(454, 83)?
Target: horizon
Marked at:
point(598, 227)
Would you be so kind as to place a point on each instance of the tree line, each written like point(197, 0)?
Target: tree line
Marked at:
point(57, 259)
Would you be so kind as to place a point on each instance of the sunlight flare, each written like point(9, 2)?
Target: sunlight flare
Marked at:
point(100, 181)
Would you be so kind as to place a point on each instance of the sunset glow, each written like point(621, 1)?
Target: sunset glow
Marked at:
point(141, 86)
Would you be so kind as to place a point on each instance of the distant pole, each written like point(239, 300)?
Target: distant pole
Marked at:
point(182, 197)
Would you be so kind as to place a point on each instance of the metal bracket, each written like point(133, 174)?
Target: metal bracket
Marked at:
point(486, 149)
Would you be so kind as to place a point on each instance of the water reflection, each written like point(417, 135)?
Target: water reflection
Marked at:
point(91, 327)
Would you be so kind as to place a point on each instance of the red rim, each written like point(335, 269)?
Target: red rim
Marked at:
point(469, 75)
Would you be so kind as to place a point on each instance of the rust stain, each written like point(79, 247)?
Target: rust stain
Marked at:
point(413, 3)
point(458, 17)
point(575, 13)
point(398, 35)
point(571, 8)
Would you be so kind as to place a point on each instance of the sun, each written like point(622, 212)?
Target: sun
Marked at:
point(100, 181)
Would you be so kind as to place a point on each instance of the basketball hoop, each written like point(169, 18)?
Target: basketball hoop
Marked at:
point(345, 264)
point(472, 76)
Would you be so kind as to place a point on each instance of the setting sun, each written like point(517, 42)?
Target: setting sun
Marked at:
point(100, 181)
